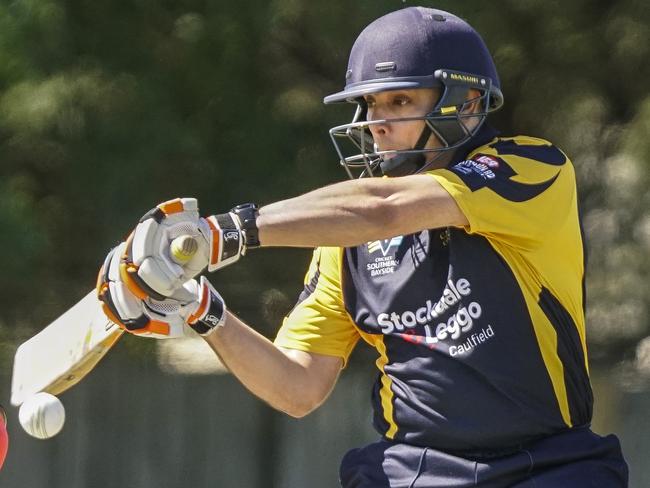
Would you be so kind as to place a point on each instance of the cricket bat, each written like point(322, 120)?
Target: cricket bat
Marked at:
point(65, 351)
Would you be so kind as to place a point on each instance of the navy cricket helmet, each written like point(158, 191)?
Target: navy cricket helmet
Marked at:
point(415, 47)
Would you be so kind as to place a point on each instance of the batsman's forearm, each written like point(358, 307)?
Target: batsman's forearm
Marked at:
point(353, 212)
point(344, 214)
point(265, 370)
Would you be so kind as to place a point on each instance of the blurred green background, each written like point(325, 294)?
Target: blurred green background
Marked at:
point(107, 108)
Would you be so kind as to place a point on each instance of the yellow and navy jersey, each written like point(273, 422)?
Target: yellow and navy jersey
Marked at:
point(480, 330)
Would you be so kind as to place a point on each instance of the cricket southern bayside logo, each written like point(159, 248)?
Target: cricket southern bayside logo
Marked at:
point(384, 245)
point(384, 261)
point(450, 320)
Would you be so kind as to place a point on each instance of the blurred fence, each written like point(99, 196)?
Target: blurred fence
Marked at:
point(130, 425)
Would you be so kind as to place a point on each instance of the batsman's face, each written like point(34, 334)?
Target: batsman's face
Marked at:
point(400, 104)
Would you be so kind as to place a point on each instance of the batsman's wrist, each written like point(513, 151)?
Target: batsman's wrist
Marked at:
point(231, 234)
point(247, 214)
point(211, 312)
point(225, 240)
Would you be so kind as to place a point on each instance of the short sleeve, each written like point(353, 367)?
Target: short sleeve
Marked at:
point(319, 322)
point(515, 190)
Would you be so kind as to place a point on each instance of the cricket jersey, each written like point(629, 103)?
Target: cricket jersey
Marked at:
point(480, 330)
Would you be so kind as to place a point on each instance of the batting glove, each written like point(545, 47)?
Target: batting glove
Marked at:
point(221, 239)
point(208, 310)
point(197, 305)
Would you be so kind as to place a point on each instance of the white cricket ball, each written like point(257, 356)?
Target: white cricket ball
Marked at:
point(42, 415)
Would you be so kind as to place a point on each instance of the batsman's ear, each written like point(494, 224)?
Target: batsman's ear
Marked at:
point(474, 99)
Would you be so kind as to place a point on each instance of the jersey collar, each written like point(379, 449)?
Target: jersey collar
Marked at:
point(485, 134)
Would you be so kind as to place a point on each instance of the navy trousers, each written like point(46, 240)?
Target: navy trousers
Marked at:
point(577, 458)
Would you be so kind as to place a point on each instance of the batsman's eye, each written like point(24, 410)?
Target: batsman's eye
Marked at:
point(401, 101)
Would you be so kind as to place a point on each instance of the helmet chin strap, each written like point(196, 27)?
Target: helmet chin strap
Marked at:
point(409, 163)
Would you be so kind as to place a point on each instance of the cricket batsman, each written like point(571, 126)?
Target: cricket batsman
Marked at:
point(454, 251)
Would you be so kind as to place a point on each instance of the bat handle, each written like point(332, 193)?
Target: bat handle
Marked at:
point(182, 249)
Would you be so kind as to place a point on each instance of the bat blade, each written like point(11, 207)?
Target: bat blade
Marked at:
point(64, 352)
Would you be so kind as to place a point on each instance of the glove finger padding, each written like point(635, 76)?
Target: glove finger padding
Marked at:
point(158, 275)
point(155, 272)
point(150, 317)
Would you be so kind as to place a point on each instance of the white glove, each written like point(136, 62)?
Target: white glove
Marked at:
point(198, 306)
point(220, 238)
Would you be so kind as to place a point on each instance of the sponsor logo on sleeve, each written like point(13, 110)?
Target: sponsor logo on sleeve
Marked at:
point(481, 165)
point(493, 172)
point(486, 160)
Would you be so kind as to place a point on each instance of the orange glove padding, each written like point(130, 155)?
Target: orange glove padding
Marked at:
point(194, 304)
